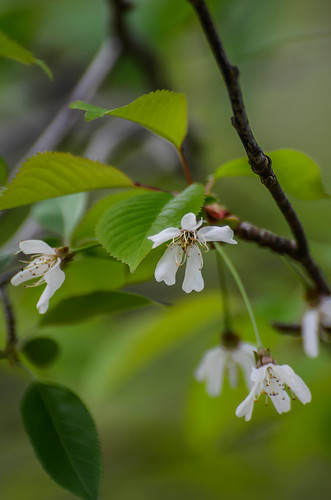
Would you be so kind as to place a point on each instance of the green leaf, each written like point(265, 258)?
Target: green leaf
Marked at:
point(41, 351)
point(64, 438)
point(61, 215)
point(86, 229)
point(124, 228)
point(77, 309)
point(162, 112)
point(49, 175)
point(12, 50)
point(297, 173)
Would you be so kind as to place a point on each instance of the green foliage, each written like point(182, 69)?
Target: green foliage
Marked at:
point(163, 112)
point(11, 221)
point(86, 229)
point(61, 214)
point(49, 175)
point(83, 307)
point(41, 351)
point(124, 228)
point(297, 173)
point(12, 50)
point(64, 438)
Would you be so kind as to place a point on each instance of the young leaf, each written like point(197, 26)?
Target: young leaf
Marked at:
point(41, 351)
point(49, 175)
point(163, 112)
point(297, 173)
point(12, 50)
point(124, 228)
point(77, 309)
point(64, 438)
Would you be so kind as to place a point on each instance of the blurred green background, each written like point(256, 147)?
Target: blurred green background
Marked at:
point(161, 435)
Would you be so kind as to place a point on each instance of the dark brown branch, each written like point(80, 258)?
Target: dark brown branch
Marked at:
point(260, 163)
point(287, 328)
point(265, 238)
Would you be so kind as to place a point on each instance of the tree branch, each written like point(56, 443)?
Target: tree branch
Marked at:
point(260, 163)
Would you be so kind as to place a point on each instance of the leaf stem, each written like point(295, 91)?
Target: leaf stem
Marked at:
point(185, 166)
point(86, 247)
point(227, 327)
point(242, 290)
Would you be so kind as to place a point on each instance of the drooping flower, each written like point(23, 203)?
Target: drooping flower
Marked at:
point(314, 321)
point(274, 381)
point(218, 360)
point(186, 247)
point(45, 264)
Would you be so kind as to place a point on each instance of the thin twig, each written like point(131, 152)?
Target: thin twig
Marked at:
point(260, 163)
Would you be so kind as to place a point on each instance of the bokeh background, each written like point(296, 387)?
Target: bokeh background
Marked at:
point(162, 437)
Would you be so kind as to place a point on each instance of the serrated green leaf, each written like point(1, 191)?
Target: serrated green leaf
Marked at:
point(86, 229)
point(163, 112)
point(124, 228)
point(77, 309)
point(41, 351)
point(12, 50)
point(297, 173)
point(64, 438)
point(49, 175)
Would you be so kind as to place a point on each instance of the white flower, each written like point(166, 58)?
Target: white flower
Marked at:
point(217, 360)
point(45, 265)
point(274, 381)
point(185, 247)
point(314, 319)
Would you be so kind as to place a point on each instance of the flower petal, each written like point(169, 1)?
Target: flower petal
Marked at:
point(36, 246)
point(28, 273)
point(54, 279)
point(193, 279)
point(167, 266)
point(281, 401)
point(294, 382)
point(245, 408)
point(189, 222)
point(310, 323)
point(215, 233)
point(325, 310)
point(163, 236)
point(211, 370)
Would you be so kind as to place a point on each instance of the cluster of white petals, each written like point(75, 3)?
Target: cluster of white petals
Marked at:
point(313, 320)
point(274, 381)
point(186, 247)
point(44, 265)
point(218, 360)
